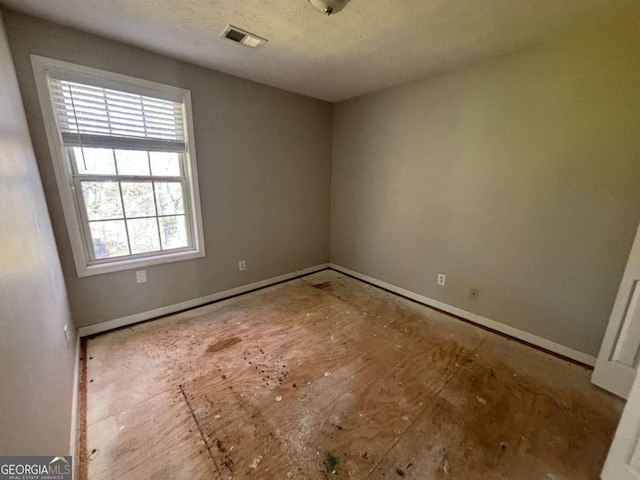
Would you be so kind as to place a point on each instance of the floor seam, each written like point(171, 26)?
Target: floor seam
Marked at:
point(195, 420)
point(142, 461)
point(435, 397)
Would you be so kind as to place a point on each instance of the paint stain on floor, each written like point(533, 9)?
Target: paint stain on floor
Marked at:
point(327, 377)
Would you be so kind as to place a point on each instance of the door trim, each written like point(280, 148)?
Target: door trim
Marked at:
point(610, 374)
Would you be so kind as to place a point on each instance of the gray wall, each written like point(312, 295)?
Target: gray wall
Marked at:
point(519, 176)
point(263, 162)
point(36, 362)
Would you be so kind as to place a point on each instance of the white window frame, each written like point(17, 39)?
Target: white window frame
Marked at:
point(44, 67)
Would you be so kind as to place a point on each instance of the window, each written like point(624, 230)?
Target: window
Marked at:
point(125, 165)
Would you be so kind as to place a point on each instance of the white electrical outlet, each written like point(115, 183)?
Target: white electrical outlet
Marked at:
point(141, 276)
point(242, 265)
point(66, 334)
point(442, 279)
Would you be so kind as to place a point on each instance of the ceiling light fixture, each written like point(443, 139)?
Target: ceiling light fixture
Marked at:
point(329, 7)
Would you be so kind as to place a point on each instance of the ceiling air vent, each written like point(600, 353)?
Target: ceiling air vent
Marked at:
point(243, 37)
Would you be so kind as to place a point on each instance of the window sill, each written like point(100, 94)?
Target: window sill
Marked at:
point(130, 264)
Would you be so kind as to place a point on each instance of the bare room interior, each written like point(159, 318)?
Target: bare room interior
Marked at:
point(316, 239)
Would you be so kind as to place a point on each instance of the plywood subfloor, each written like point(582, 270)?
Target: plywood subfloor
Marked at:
point(328, 377)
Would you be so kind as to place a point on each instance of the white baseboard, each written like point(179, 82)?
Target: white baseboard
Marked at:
point(196, 302)
point(74, 444)
point(472, 317)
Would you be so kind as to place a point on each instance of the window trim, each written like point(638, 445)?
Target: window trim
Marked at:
point(42, 67)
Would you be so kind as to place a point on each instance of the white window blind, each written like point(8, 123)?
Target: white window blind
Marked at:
point(92, 116)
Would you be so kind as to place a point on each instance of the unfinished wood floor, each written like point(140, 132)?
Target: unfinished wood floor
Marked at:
point(327, 377)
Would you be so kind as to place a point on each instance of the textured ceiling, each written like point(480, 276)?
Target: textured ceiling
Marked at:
point(371, 45)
